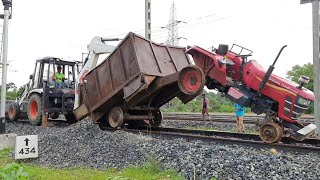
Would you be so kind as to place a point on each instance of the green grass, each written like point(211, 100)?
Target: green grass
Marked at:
point(4, 159)
point(149, 171)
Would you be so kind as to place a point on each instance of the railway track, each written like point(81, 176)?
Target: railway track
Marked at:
point(220, 137)
point(226, 118)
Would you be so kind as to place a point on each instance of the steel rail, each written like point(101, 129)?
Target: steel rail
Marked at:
point(227, 118)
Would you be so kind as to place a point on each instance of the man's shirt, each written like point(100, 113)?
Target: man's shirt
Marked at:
point(59, 77)
point(239, 110)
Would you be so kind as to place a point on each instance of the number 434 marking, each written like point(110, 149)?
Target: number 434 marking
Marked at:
point(27, 151)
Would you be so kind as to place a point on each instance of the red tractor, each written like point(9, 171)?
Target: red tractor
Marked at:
point(248, 84)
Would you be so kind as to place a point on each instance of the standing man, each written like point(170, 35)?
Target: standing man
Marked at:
point(239, 114)
point(58, 77)
point(205, 106)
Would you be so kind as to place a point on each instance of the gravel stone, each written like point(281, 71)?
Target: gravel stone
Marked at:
point(206, 125)
point(85, 145)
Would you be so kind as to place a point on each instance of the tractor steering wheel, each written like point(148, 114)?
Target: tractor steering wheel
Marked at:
point(71, 85)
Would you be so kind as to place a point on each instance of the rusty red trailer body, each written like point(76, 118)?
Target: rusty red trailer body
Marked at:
point(138, 77)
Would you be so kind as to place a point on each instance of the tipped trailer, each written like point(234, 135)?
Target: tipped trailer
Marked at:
point(134, 81)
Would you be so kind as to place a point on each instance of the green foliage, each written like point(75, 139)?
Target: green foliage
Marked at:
point(11, 95)
point(4, 153)
point(153, 165)
point(150, 170)
point(13, 171)
point(296, 72)
point(217, 103)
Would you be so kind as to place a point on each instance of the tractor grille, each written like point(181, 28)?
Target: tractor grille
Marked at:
point(301, 105)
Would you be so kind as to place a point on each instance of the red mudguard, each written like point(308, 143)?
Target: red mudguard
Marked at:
point(209, 64)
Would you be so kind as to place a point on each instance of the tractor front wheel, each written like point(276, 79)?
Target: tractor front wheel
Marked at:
point(271, 132)
point(34, 110)
point(14, 111)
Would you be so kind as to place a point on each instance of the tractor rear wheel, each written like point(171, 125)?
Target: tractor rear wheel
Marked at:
point(71, 118)
point(271, 132)
point(116, 117)
point(14, 111)
point(34, 110)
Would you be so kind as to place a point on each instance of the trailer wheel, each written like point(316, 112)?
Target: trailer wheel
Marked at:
point(157, 120)
point(34, 110)
point(14, 111)
point(116, 117)
point(191, 80)
point(271, 132)
point(54, 115)
point(71, 118)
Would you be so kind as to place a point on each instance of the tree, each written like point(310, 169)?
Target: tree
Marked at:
point(217, 103)
point(297, 71)
point(12, 92)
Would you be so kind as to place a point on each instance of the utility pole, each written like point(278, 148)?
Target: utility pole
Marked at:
point(148, 19)
point(7, 7)
point(316, 64)
point(316, 60)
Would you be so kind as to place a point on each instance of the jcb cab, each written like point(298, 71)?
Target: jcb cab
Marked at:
point(41, 94)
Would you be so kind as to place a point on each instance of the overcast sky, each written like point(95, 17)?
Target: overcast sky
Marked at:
point(63, 28)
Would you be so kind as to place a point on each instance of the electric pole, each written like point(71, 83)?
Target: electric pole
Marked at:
point(316, 61)
point(147, 19)
point(7, 7)
point(172, 27)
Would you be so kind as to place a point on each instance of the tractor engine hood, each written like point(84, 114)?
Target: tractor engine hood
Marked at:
point(274, 80)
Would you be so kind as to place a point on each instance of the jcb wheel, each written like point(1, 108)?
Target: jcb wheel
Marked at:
point(271, 132)
point(34, 110)
point(116, 117)
point(14, 111)
point(54, 115)
point(191, 80)
point(71, 118)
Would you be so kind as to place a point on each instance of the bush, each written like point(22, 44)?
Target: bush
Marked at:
point(13, 171)
point(217, 103)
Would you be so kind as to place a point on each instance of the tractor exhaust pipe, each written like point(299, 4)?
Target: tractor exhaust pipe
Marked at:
point(269, 72)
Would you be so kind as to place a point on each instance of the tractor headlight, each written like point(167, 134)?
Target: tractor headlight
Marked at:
point(304, 79)
point(304, 102)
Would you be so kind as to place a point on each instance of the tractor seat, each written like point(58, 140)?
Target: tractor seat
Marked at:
point(229, 62)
